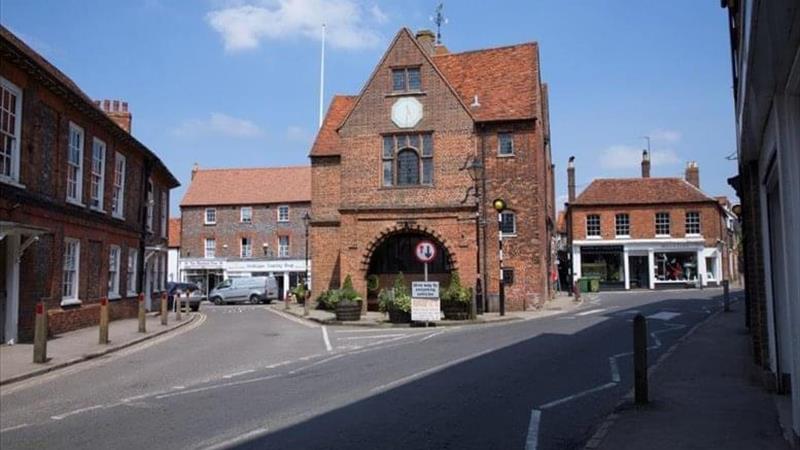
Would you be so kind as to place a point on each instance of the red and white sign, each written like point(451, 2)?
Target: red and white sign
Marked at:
point(425, 251)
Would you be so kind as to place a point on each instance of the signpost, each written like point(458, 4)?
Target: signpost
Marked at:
point(425, 305)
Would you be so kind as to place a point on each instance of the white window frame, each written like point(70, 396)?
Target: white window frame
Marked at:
point(13, 178)
point(206, 248)
point(626, 225)
point(513, 222)
point(281, 208)
point(249, 217)
point(283, 250)
point(500, 147)
point(132, 271)
point(114, 259)
point(118, 189)
point(248, 247)
point(151, 200)
point(599, 226)
point(98, 178)
point(164, 212)
point(72, 297)
point(686, 224)
point(205, 216)
point(669, 224)
point(76, 199)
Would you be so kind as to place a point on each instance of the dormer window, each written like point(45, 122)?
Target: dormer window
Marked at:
point(406, 79)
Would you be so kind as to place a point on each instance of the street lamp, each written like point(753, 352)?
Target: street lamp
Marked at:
point(306, 220)
point(500, 205)
point(475, 170)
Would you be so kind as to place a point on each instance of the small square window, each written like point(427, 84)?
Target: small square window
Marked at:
point(623, 225)
point(505, 144)
point(662, 224)
point(508, 276)
point(693, 223)
point(398, 80)
point(414, 81)
point(247, 214)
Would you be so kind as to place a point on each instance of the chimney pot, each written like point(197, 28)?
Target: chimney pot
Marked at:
point(571, 179)
point(195, 168)
point(693, 174)
point(645, 164)
point(427, 40)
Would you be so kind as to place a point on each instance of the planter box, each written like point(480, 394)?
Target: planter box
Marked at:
point(397, 316)
point(348, 311)
point(455, 310)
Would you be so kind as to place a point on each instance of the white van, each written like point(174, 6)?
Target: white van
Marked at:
point(252, 289)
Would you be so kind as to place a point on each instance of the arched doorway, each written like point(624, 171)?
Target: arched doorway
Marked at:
point(395, 254)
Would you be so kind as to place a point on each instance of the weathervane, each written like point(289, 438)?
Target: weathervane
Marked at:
point(439, 19)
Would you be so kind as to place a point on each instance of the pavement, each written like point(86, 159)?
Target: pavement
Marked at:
point(559, 304)
point(703, 395)
point(66, 349)
point(252, 376)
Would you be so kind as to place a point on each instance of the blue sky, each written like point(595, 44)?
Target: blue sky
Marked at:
point(235, 83)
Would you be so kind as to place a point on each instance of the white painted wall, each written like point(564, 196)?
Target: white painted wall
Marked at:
point(173, 255)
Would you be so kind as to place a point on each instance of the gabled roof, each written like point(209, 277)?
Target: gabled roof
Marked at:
point(16, 51)
point(174, 232)
point(327, 138)
point(640, 191)
point(505, 79)
point(253, 186)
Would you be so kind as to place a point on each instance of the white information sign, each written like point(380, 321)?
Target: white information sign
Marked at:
point(425, 305)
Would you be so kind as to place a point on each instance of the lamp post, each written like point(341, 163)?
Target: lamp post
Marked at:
point(500, 205)
point(306, 220)
point(475, 170)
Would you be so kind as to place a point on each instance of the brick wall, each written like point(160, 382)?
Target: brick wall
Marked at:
point(229, 230)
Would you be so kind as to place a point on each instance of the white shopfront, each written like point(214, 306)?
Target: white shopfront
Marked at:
point(648, 263)
point(209, 271)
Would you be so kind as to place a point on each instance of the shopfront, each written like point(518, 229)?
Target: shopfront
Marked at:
point(208, 272)
point(604, 262)
point(203, 272)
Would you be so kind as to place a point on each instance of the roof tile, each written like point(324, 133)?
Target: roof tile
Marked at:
point(640, 191)
point(174, 232)
point(252, 186)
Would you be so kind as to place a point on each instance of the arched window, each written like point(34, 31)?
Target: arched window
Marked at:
point(407, 167)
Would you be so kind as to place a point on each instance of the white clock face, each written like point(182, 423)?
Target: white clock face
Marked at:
point(406, 112)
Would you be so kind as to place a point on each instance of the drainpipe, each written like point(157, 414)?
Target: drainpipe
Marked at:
point(148, 168)
point(483, 197)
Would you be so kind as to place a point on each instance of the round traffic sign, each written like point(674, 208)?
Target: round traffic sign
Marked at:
point(425, 251)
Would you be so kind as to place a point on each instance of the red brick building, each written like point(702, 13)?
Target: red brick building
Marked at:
point(83, 204)
point(389, 169)
point(245, 222)
point(650, 233)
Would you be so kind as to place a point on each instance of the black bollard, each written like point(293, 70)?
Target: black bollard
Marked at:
point(640, 359)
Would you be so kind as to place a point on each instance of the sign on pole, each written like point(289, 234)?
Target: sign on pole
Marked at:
point(425, 305)
point(425, 251)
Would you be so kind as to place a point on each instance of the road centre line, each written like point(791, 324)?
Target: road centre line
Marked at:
point(15, 427)
point(216, 386)
point(77, 411)
point(323, 361)
point(532, 441)
point(236, 374)
point(326, 339)
point(591, 311)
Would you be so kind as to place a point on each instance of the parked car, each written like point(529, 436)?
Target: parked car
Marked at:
point(252, 289)
point(195, 294)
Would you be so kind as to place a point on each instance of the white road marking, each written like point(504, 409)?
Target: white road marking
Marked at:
point(325, 338)
point(294, 319)
point(77, 411)
point(236, 374)
point(612, 361)
point(664, 315)
point(178, 387)
point(578, 395)
point(236, 439)
point(299, 369)
point(375, 336)
point(15, 427)
point(216, 386)
point(591, 311)
point(532, 441)
point(431, 336)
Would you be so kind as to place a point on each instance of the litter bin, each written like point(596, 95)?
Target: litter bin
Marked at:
point(583, 284)
point(595, 284)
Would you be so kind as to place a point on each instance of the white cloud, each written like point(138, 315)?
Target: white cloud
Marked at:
point(627, 157)
point(219, 124)
point(349, 24)
point(665, 136)
point(297, 134)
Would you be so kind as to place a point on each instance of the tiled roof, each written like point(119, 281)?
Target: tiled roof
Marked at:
point(174, 232)
point(504, 79)
point(249, 186)
point(328, 137)
point(640, 191)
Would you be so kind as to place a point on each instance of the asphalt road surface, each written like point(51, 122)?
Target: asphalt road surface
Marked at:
point(251, 377)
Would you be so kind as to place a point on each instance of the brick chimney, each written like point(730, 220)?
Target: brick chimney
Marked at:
point(118, 112)
point(693, 174)
point(571, 179)
point(645, 164)
point(195, 168)
point(427, 40)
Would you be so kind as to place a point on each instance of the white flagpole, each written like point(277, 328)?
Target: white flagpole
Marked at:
point(322, 77)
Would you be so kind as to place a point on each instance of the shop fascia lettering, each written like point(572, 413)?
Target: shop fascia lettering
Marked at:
point(291, 265)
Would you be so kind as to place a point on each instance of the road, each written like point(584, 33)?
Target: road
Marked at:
point(251, 377)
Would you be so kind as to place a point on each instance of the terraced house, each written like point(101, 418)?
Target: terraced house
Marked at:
point(420, 153)
point(83, 204)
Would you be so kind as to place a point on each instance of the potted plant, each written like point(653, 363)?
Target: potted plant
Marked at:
point(396, 301)
point(346, 301)
point(456, 299)
point(300, 293)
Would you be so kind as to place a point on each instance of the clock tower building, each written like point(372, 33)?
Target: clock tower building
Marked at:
point(390, 169)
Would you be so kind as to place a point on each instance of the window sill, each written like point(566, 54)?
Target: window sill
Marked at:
point(510, 155)
point(409, 186)
point(117, 216)
point(623, 236)
point(283, 221)
point(209, 223)
point(663, 236)
point(510, 235)
point(70, 301)
point(12, 182)
point(693, 235)
point(113, 297)
point(98, 210)
point(405, 93)
point(132, 294)
point(72, 201)
point(594, 237)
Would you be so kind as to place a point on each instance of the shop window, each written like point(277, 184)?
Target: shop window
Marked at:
point(693, 223)
point(676, 266)
point(593, 225)
point(604, 263)
point(623, 225)
point(711, 268)
point(662, 224)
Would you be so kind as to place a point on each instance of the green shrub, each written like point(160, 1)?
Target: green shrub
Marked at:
point(373, 283)
point(455, 292)
point(397, 298)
